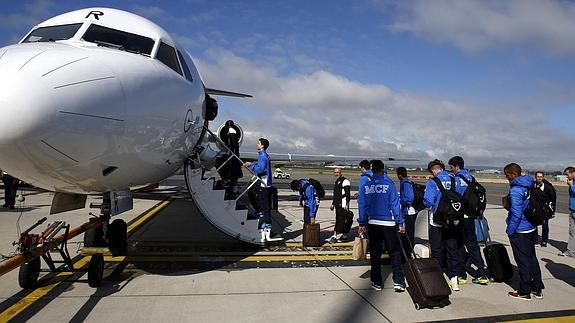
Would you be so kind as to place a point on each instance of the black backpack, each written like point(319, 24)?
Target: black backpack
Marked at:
point(449, 212)
point(474, 198)
point(319, 191)
point(418, 193)
point(538, 210)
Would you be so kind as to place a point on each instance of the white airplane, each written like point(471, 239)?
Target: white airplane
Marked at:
point(102, 101)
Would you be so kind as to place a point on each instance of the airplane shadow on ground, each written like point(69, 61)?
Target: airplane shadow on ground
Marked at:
point(560, 271)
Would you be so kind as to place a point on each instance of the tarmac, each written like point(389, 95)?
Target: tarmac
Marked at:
point(181, 269)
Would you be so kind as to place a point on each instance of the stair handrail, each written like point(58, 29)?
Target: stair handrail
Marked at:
point(255, 178)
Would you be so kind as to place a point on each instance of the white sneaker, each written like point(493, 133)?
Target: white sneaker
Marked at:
point(263, 235)
point(328, 239)
point(268, 236)
point(454, 284)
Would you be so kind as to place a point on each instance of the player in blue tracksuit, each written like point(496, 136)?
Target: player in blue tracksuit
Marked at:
point(569, 172)
point(522, 235)
point(469, 237)
point(406, 197)
point(443, 239)
point(263, 170)
point(307, 197)
point(380, 216)
point(364, 178)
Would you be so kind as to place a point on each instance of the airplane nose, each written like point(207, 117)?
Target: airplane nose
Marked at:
point(53, 99)
point(25, 103)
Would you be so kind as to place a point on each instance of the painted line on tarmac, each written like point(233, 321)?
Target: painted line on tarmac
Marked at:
point(554, 319)
point(549, 316)
point(147, 215)
point(42, 291)
point(338, 244)
point(233, 258)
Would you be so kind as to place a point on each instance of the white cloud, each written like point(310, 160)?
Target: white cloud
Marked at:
point(475, 25)
point(321, 112)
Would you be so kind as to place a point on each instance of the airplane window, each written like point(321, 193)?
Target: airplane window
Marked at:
point(108, 37)
point(185, 67)
point(52, 33)
point(167, 55)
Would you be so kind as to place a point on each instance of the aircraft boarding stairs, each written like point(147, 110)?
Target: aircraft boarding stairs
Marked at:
point(228, 209)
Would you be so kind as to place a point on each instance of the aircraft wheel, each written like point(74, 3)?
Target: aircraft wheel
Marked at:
point(96, 270)
point(118, 237)
point(94, 237)
point(29, 273)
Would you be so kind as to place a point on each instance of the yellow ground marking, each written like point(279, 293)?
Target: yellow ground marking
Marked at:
point(215, 258)
point(40, 292)
point(559, 319)
point(338, 244)
point(147, 215)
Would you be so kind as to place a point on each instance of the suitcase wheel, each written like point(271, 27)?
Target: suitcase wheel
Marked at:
point(417, 307)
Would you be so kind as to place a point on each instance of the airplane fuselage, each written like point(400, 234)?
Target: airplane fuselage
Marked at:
point(82, 116)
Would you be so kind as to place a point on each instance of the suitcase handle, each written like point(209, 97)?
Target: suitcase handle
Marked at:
point(415, 256)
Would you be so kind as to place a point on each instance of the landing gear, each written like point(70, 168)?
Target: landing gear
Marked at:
point(29, 273)
point(118, 237)
point(96, 270)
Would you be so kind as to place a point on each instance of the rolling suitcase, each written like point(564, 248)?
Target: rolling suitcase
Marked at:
point(498, 263)
point(426, 284)
point(311, 235)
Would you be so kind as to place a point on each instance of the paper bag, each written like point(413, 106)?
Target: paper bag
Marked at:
point(359, 248)
point(505, 202)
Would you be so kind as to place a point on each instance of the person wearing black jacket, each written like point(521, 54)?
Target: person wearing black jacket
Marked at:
point(10, 189)
point(341, 199)
point(232, 170)
point(551, 197)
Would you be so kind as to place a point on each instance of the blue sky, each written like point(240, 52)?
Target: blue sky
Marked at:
point(492, 81)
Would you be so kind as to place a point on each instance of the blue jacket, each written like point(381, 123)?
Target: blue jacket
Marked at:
point(460, 185)
point(432, 193)
point(518, 203)
point(572, 198)
point(405, 195)
point(364, 178)
point(381, 201)
point(263, 168)
point(308, 196)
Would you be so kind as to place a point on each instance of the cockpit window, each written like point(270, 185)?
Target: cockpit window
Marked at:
point(185, 67)
point(108, 37)
point(167, 55)
point(52, 33)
